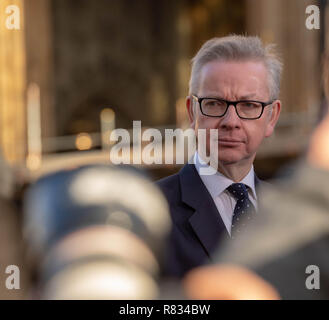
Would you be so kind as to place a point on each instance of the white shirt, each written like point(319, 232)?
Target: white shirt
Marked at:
point(217, 183)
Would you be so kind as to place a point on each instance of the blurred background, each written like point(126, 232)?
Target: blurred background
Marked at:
point(77, 69)
point(72, 59)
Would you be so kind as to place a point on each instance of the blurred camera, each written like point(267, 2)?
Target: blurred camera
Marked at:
point(96, 232)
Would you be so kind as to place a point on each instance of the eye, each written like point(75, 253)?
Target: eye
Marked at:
point(213, 103)
point(249, 105)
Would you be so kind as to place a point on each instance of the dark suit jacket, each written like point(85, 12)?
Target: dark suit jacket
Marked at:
point(197, 225)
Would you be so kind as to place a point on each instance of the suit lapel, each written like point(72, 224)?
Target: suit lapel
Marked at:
point(206, 220)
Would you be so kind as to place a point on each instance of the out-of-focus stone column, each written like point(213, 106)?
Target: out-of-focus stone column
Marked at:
point(40, 61)
point(12, 80)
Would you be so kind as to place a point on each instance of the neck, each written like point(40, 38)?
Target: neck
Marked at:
point(235, 172)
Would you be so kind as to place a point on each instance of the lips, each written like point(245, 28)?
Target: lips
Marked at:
point(229, 142)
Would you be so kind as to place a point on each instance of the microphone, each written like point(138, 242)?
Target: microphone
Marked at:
point(98, 232)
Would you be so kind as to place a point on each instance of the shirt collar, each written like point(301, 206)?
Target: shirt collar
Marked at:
point(217, 183)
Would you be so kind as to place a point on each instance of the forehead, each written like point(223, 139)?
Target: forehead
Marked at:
point(234, 78)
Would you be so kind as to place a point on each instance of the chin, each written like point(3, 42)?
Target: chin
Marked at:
point(230, 157)
point(228, 161)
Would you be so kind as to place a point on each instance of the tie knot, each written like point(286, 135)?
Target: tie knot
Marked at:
point(238, 191)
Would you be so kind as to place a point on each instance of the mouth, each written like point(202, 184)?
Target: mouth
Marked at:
point(229, 142)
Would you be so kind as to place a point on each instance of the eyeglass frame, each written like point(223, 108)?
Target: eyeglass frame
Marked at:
point(233, 103)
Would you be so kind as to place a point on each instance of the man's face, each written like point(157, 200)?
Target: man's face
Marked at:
point(238, 139)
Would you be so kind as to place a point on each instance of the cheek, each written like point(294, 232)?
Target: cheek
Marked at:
point(255, 135)
point(206, 123)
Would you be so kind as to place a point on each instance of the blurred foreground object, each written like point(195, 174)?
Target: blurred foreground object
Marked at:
point(318, 154)
point(227, 282)
point(97, 232)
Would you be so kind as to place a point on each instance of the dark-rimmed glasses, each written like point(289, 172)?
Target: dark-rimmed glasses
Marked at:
point(245, 109)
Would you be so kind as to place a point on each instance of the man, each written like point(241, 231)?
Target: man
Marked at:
point(234, 87)
point(292, 255)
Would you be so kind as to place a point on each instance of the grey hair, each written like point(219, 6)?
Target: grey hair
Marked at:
point(238, 48)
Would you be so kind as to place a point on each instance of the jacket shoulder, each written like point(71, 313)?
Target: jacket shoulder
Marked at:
point(170, 185)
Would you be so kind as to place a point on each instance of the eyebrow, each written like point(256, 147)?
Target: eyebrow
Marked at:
point(248, 96)
point(245, 97)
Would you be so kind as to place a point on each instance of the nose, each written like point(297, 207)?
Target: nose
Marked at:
point(230, 120)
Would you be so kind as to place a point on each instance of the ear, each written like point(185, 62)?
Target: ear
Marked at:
point(273, 118)
point(190, 111)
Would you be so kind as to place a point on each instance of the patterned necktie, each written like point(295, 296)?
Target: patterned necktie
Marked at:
point(243, 210)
